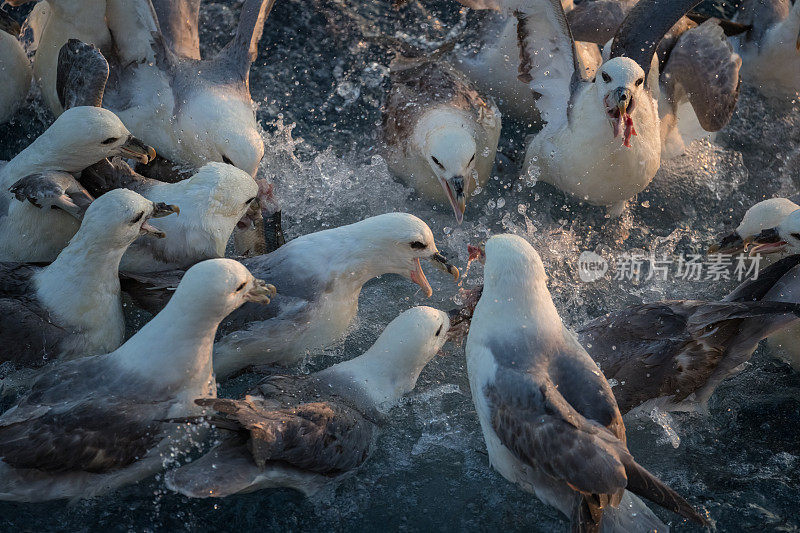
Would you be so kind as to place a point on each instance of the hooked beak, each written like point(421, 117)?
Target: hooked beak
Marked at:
point(769, 241)
point(261, 292)
point(454, 189)
point(136, 149)
point(729, 244)
point(418, 276)
point(161, 210)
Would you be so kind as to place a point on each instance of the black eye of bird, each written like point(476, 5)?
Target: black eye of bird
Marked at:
point(251, 200)
point(137, 218)
point(111, 140)
point(417, 245)
point(606, 77)
point(438, 331)
point(471, 159)
point(240, 287)
point(437, 162)
point(639, 81)
point(225, 159)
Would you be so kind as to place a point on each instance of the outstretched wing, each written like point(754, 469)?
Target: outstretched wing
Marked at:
point(81, 76)
point(323, 437)
point(704, 68)
point(179, 23)
point(547, 57)
point(597, 21)
point(671, 348)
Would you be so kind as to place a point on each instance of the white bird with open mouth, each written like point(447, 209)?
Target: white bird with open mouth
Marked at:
point(602, 137)
point(307, 431)
point(320, 276)
point(440, 134)
point(98, 423)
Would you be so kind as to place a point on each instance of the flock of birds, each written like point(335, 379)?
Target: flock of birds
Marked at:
point(620, 85)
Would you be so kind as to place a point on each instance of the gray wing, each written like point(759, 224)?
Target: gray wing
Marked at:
point(81, 76)
point(671, 348)
point(548, 60)
point(323, 437)
point(179, 24)
point(27, 334)
point(239, 54)
point(761, 15)
point(92, 436)
point(52, 189)
point(107, 175)
point(768, 278)
point(151, 290)
point(8, 24)
point(704, 68)
point(597, 21)
point(645, 26)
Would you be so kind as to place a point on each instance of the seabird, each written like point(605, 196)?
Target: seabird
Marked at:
point(53, 23)
point(440, 135)
point(307, 431)
point(548, 415)
point(673, 354)
point(765, 214)
point(192, 110)
point(771, 48)
point(53, 189)
point(72, 307)
point(320, 276)
point(602, 137)
point(699, 70)
point(95, 424)
point(16, 78)
point(492, 62)
point(212, 201)
point(784, 238)
point(80, 137)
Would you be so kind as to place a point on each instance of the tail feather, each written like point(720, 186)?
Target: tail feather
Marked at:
point(646, 485)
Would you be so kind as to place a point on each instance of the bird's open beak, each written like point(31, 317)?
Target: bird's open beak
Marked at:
point(454, 189)
point(767, 242)
point(161, 210)
point(261, 292)
point(441, 263)
point(418, 276)
point(729, 244)
point(619, 110)
point(136, 149)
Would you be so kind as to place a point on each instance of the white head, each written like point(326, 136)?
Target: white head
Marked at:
point(511, 263)
point(217, 287)
point(84, 135)
point(394, 243)
point(391, 367)
point(449, 149)
point(119, 217)
point(221, 129)
point(763, 215)
point(783, 237)
point(620, 87)
point(212, 201)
